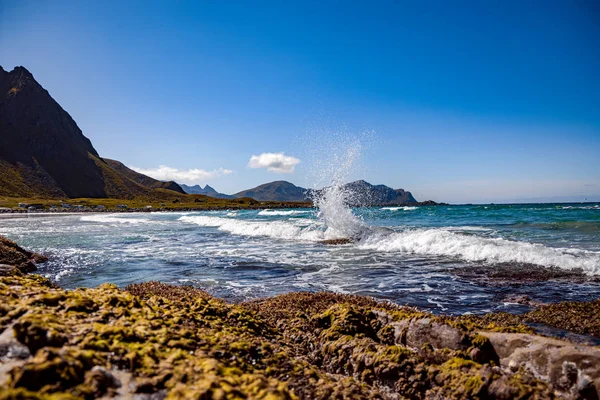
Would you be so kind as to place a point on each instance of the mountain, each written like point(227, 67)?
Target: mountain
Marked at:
point(362, 193)
point(43, 153)
point(207, 191)
point(365, 194)
point(141, 178)
point(276, 191)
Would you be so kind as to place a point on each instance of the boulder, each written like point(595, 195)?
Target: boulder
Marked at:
point(571, 367)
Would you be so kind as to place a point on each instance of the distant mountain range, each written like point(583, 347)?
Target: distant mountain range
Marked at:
point(362, 193)
point(43, 153)
point(207, 191)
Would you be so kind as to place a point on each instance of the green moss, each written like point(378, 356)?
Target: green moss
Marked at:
point(187, 344)
point(579, 317)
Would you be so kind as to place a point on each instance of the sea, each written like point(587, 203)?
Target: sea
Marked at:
point(457, 259)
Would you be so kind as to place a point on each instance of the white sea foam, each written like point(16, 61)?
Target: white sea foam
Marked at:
point(405, 208)
point(275, 229)
point(442, 242)
point(115, 218)
point(467, 228)
point(60, 274)
point(590, 207)
point(283, 213)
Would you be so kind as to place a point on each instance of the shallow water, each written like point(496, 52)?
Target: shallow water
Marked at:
point(404, 254)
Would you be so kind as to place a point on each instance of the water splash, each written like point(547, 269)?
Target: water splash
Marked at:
point(334, 199)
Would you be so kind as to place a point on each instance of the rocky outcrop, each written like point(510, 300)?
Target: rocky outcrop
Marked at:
point(13, 255)
point(571, 368)
point(155, 341)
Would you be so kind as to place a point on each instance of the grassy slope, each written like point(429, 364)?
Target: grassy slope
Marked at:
point(26, 181)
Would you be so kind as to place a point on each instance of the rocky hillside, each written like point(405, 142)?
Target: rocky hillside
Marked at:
point(43, 151)
point(207, 191)
point(276, 191)
point(365, 194)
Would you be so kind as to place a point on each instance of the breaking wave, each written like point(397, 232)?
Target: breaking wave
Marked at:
point(426, 242)
point(283, 213)
point(273, 229)
point(442, 242)
point(112, 219)
point(405, 208)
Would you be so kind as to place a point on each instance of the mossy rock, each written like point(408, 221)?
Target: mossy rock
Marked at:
point(180, 342)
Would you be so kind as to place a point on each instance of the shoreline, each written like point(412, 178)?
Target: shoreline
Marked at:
point(160, 209)
point(193, 209)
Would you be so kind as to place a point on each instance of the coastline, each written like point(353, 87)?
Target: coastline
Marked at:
point(154, 341)
point(73, 210)
point(260, 206)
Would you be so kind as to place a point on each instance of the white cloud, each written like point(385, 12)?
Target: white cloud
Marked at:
point(187, 176)
point(274, 162)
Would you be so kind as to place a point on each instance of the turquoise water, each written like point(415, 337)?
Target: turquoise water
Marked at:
point(438, 258)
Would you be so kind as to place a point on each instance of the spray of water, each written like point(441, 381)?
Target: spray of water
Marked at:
point(333, 200)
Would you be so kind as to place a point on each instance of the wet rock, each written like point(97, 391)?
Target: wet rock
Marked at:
point(578, 317)
point(13, 254)
point(586, 388)
point(27, 267)
point(101, 381)
point(336, 242)
point(556, 360)
point(569, 376)
point(6, 270)
point(424, 330)
point(522, 299)
point(519, 273)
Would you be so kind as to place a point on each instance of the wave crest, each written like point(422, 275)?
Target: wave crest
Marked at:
point(442, 242)
point(282, 213)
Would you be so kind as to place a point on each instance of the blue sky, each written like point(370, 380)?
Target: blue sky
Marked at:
point(456, 101)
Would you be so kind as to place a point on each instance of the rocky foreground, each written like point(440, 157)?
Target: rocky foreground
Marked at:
point(155, 341)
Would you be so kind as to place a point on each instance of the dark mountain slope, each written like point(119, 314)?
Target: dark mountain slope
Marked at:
point(43, 153)
point(42, 142)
